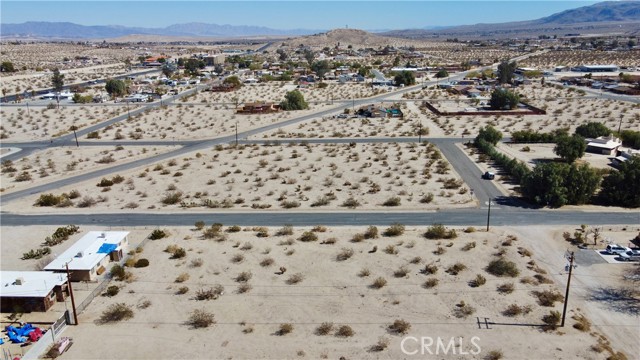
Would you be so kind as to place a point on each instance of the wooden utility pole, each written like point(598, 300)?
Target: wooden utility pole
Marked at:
point(73, 301)
point(566, 294)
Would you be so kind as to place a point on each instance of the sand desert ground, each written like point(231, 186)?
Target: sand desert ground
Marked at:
point(337, 272)
point(440, 287)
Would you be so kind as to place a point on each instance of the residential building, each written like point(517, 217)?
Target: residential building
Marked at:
point(258, 107)
point(27, 291)
point(90, 256)
point(605, 145)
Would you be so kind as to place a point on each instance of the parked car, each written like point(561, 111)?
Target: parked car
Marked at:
point(631, 255)
point(488, 175)
point(615, 249)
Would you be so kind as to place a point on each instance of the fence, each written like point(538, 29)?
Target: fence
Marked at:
point(41, 346)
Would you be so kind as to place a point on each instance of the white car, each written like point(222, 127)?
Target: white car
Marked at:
point(615, 249)
point(631, 255)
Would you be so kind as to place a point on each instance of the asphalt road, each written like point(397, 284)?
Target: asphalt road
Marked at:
point(459, 217)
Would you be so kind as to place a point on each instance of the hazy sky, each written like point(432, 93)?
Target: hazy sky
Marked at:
point(317, 15)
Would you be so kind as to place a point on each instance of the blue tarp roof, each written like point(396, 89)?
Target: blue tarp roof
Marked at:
point(107, 248)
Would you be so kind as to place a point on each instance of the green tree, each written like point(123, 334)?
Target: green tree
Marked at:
point(192, 66)
point(115, 87)
point(622, 187)
point(570, 148)
point(233, 80)
point(321, 68)
point(630, 138)
point(581, 183)
point(505, 71)
point(442, 73)
point(168, 69)
point(294, 100)
point(502, 99)
point(405, 77)
point(309, 56)
point(489, 134)
point(57, 81)
point(544, 185)
point(593, 130)
point(7, 66)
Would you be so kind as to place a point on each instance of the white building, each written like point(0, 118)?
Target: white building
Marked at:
point(605, 145)
point(26, 291)
point(90, 255)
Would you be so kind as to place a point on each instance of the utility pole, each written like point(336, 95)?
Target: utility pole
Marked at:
point(566, 294)
point(73, 301)
point(620, 124)
point(420, 133)
point(74, 134)
point(488, 214)
point(236, 133)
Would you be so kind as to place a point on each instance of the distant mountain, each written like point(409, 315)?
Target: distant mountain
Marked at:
point(67, 30)
point(606, 17)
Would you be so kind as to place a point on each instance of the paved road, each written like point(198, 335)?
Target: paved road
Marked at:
point(461, 217)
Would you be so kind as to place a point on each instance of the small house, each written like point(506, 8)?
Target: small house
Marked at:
point(258, 108)
point(90, 256)
point(605, 145)
point(28, 291)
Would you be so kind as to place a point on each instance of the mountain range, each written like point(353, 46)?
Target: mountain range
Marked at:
point(623, 16)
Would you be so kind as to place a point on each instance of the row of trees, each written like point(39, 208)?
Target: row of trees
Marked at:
point(558, 184)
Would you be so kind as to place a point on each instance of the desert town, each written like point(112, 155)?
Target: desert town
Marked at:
point(342, 195)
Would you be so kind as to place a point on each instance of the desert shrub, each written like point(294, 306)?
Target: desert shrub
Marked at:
point(416, 260)
point(438, 231)
point(582, 323)
point(371, 233)
point(359, 237)
point(201, 318)
point(364, 272)
point(244, 288)
point(199, 225)
point(329, 241)
point(478, 281)
point(285, 230)
point(344, 254)
point(244, 277)
point(261, 231)
point(117, 312)
point(171, 197)
point(392, 201)
point(117, 272)
point(351, 203)
point(141, 263)
point(430, 283)
point(158, 234)
point(197, 262)
point(48, 200)
point(394, 230)
point(295, 279)
point(210, 293)
point(289, 204)
point(182, 290)
point(548, 297)
point(324, 329)
point(502, 267)
point(551, 319)
point(401, 272)
point(308, 236)
point(267, 262)
point(391, 250)
point(427, 198)
point(380, 345)
point(493, 355)
point(105, 183)
point(515, 310)
point(345, 331)
point(237, 258)
point(462, 310)
point(430, 269)
point(234, 229)
point(469, 246)
point(379, 283)
point(506, 288)
point(470, 229)
point(112, 290)
point(182, 278)
point(284, 329)
point(399, 327)
point(178, 253)
point(86, 202)
point(456, 268)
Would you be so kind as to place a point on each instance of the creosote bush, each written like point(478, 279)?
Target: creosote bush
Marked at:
point(284, 329)
point(117, 312)
point(379, 283)
point(394, 230)
point(399, 327)
point(324, 329)
point(438, 231)
point(345, 331)
point(200, 318)
point(308, 236)
point(501, 267)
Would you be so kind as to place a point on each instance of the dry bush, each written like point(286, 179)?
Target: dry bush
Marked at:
point(182, 278)
point(403, 271)
point(345, 331)
point(308, 236)
point(324, 329)
point(582, 323)
point(329, 241)
point(344, 254)
point(244, 288)
point(438, 231)
point(430, 269)
point(515, 310)
point(358, 238)
point(197, 262)
point(415, 260)
point(394, 230)
point(284, 329)
point(469, 246)
point(382, 344)
point(243, 277)
point(210, 293)
point(478, 281)
point(267, 262)
point(506, 288)
point(295, 279)
point(399, 327)
point(201, 318)
point(371, 233)
point(551, 320)
point(319, 228)
point(502, 267)
point(182, 290)
point(456, 268)
point(493, 355)
point(237, 258)
point(379, 283)
point(391, 250)
point(364, 272)
point(430, 283)
point(285, 230)
point(548, 297)
point(463, 310)
point(116, 312)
